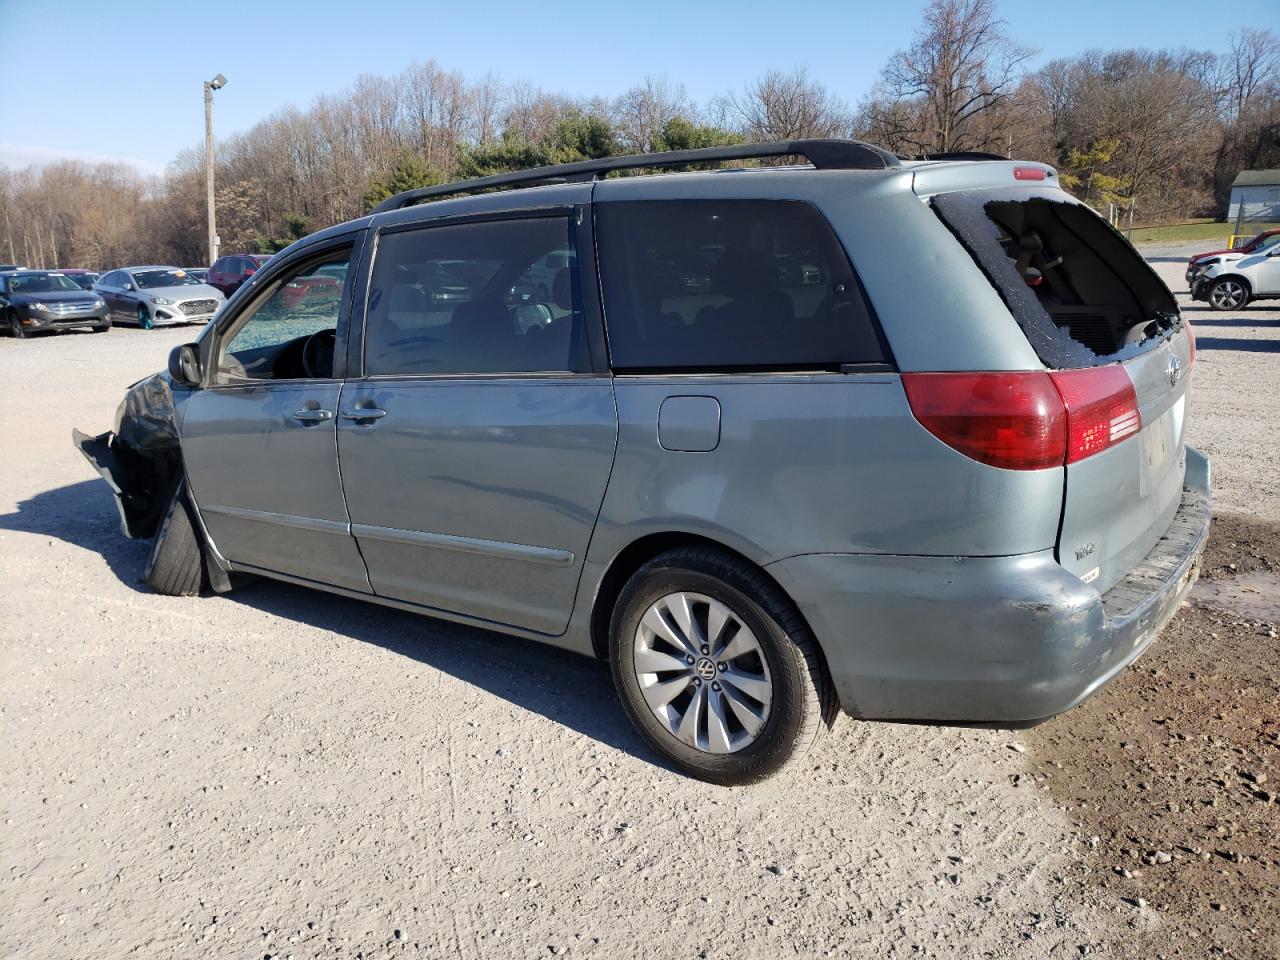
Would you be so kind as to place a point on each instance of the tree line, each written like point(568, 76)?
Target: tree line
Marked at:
point(1162, 131)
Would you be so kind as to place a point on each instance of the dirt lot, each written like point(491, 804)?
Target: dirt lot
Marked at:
point(281, 773)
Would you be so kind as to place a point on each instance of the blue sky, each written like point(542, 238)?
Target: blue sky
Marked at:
point(123, 80)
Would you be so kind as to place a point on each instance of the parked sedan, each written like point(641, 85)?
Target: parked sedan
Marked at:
point(200, 273)
point(157, 296)
point(32, 301)
point(84, 279)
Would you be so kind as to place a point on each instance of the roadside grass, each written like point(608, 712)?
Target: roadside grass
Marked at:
point(1203, 230)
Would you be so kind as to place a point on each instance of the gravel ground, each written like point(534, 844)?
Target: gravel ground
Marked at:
point(282, 773)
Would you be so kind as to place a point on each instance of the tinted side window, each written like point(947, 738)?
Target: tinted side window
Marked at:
point(704, 284)
point(475, 298)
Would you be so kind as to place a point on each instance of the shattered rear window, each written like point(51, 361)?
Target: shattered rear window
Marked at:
point(1080, 292)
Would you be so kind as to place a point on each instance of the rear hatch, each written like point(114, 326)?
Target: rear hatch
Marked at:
point(1110, 336)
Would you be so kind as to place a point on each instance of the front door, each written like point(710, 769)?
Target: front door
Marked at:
point(476, 448)
point(260, 441)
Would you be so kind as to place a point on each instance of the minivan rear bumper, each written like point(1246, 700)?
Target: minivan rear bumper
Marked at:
point(1001, 640)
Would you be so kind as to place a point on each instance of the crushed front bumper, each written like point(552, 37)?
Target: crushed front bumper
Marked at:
point(97, 450)
point(1001, 640)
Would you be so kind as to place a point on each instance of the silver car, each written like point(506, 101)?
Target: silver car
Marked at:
point(157, 296)
point(937, 473)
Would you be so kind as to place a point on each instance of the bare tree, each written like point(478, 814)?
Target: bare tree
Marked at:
point(785, 106)
point(640, 113)
point(1252, 65)
point(962, 65)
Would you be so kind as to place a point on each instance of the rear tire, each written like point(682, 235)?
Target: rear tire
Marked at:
point(176, 567)
point(769, 705)
point(102, 328)
point(1228, 293)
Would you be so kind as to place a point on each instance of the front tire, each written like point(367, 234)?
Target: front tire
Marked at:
point(176, 567)
point(102, 328)
point(716, 668)
point(1228, 293)
point(144, 318)
point(16, 328)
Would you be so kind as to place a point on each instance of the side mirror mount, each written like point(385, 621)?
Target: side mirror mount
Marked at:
point(128, 286)
point(184, 365)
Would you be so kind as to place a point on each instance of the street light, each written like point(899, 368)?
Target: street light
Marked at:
point(217, 83)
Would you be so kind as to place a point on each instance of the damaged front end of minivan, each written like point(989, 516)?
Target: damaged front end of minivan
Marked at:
point(140, 459)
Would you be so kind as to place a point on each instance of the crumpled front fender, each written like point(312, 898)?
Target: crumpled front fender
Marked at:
point(140, 460)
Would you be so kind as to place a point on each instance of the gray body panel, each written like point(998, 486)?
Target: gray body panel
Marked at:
point(1002, 640)
point(1119, 502)
point(479, 495)
point(267, 484)
point(931, 581)
point(788, 443)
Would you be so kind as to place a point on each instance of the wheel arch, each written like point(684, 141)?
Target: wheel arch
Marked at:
point(643, 549)
point(1238, 277)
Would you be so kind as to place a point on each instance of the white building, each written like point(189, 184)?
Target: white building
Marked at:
point(1259, 191)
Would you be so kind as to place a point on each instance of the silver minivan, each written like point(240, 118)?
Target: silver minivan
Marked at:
point(902, 438)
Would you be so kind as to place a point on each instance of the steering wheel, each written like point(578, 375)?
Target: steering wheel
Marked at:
point(317, 354)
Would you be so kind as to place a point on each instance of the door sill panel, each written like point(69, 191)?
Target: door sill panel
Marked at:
point(405, 605)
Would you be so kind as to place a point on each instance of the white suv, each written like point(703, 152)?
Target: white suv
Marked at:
point(1230, 281)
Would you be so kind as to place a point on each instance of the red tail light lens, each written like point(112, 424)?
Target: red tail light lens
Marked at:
point(1102, 409)
point(1010, 420)
point(1191, 341)
point(1026, 420)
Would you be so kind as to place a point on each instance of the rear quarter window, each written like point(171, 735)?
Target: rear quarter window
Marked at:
point(730, 285)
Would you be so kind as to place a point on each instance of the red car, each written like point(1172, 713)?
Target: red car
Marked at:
point(1249, 247)
point(229, 273)
point(312, 289)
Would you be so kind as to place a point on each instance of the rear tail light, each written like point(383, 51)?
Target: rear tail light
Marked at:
point(1026, 420)
point(1102, 408)
point(1010, 420)
point(1191, 341)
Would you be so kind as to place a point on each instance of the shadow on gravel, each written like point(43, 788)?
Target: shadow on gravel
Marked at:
point(1167, 259)
point(1232, 343)
point(83, 514)
point(571, 690)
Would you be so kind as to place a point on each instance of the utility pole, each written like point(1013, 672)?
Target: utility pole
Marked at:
point(217, 83)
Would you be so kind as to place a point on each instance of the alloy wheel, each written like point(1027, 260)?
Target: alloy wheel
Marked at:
point(1227, 294)
point(703, 673)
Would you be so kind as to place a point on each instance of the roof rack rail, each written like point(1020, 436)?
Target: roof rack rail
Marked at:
point(823, 154)
point(961, 155)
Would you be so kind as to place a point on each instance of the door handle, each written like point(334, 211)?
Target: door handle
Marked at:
point(364, 413)
point(313, 415)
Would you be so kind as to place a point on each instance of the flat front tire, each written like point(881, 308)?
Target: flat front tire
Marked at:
point(716, 668)
point(176, 567)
